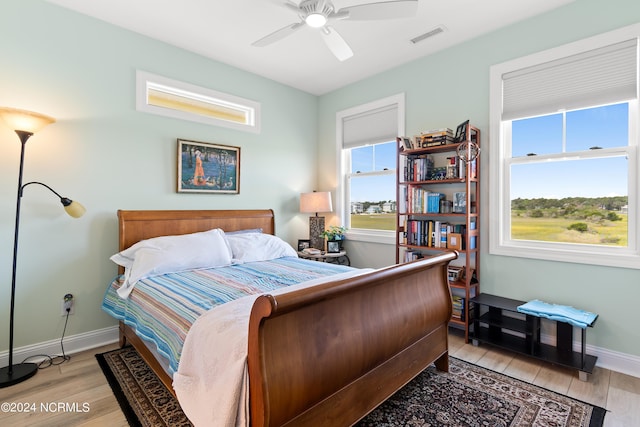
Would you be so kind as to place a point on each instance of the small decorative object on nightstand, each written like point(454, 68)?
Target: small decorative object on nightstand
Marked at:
point(335, 258)
point(335, 237)
point(333, 246)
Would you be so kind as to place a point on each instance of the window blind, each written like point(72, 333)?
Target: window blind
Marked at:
point(601, 76)
point(371, 127)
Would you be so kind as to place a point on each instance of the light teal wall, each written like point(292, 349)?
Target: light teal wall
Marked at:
point(105, 154)
point(449, 87)
point(108, 156)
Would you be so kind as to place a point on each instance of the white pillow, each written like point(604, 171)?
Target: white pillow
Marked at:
point(170, 254)
point(249, 247)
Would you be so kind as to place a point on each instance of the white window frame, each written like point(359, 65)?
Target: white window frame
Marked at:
point(344, 160)
point(500, 242)
point(146, 82)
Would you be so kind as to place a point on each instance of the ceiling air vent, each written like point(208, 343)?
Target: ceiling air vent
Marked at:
point(437, 30)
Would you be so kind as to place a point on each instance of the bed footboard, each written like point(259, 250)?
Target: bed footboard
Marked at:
point(328, 355)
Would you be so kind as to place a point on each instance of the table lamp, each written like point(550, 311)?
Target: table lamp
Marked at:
point(318, 201)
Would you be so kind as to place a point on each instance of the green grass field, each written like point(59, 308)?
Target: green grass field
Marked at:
point(611, 233)
point(374, 221)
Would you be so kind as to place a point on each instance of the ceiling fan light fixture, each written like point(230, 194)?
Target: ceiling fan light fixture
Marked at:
point(315, 20)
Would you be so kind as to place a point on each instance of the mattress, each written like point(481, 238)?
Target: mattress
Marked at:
point(163, 308)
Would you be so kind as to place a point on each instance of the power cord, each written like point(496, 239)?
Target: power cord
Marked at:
point(56, 359)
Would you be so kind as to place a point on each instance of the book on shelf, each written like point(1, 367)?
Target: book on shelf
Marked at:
point(417, 167)
point(412, 255)
point(473, 171)
point(473, 242)
point(438, 131)
point(434, 141)
point(433, 202)
point(419, 200)
point(458, 307)
point(434, 234)
point(443, 234)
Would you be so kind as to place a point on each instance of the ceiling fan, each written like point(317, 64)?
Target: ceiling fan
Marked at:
point(319, 13)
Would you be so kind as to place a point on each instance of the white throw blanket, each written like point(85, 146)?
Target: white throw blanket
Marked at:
point(212, 381)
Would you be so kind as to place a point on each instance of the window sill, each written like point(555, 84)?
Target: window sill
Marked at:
point(371, 236)
point(622, 258)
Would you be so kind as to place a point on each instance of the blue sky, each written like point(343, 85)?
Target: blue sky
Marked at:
point(604, 127)
point(370, 158)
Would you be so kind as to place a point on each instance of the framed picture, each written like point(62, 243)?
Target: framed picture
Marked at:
point(333, 246)
point(406, 142)
point(460, 202)
point(454, 241)
point(208, 168)
point(303, 244)
point(461, 131)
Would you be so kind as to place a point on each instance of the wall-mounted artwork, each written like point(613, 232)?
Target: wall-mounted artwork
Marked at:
point(208, 168)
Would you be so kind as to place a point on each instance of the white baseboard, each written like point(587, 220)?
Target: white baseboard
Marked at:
point(616, 361)
point(613, 360)
point(609, 359)
point(72, 344)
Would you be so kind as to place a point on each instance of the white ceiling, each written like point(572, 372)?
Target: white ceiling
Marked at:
point(225, 29)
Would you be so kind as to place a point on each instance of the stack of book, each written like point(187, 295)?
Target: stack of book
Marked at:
point(458, 307)
point(434, 137)
point(418, 168)
point(433, 234)
point(419, 200)
point(412, 255)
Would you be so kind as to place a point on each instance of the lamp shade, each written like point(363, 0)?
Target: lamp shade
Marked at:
point(318, 201)
point(23, 120)
point(74, 209)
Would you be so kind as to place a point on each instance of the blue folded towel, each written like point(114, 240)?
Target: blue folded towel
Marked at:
point(561, 313)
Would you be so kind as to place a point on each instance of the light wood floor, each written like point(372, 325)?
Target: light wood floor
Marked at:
point(81, 381)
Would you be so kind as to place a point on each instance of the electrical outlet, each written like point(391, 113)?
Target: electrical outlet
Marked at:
point(67, 305)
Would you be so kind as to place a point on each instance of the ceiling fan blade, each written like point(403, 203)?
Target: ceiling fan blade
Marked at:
point(336, 43)
point(382, 10)
point(291, 5)
point(277, 35)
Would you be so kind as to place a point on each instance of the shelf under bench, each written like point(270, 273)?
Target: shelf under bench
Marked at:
point(503, 326)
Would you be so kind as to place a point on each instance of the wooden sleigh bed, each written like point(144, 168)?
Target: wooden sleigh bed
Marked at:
point(329, 354)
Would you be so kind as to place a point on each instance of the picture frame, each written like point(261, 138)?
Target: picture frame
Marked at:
point(454, 241)
point(461, 132)
point(208, 168)
point(303, 244)
point(460, 202)
point(333, 246)
point(405, 142)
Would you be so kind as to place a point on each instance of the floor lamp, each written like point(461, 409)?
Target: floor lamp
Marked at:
point(25, 124)
point(318, 201)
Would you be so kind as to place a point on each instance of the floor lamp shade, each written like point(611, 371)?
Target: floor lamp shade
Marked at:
point(317, 201)
point(23, 120)
point(25, 124)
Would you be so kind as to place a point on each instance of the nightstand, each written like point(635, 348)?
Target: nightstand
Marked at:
point(336, 258)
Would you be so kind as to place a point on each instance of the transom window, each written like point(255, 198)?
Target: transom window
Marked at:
point(172, 98)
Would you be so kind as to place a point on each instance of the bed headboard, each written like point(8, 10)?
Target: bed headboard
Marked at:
point(134, 226)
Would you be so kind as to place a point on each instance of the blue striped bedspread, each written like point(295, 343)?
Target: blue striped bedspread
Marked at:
point(163, 308)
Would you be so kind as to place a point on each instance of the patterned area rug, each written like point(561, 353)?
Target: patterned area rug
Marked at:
point(466, 396)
